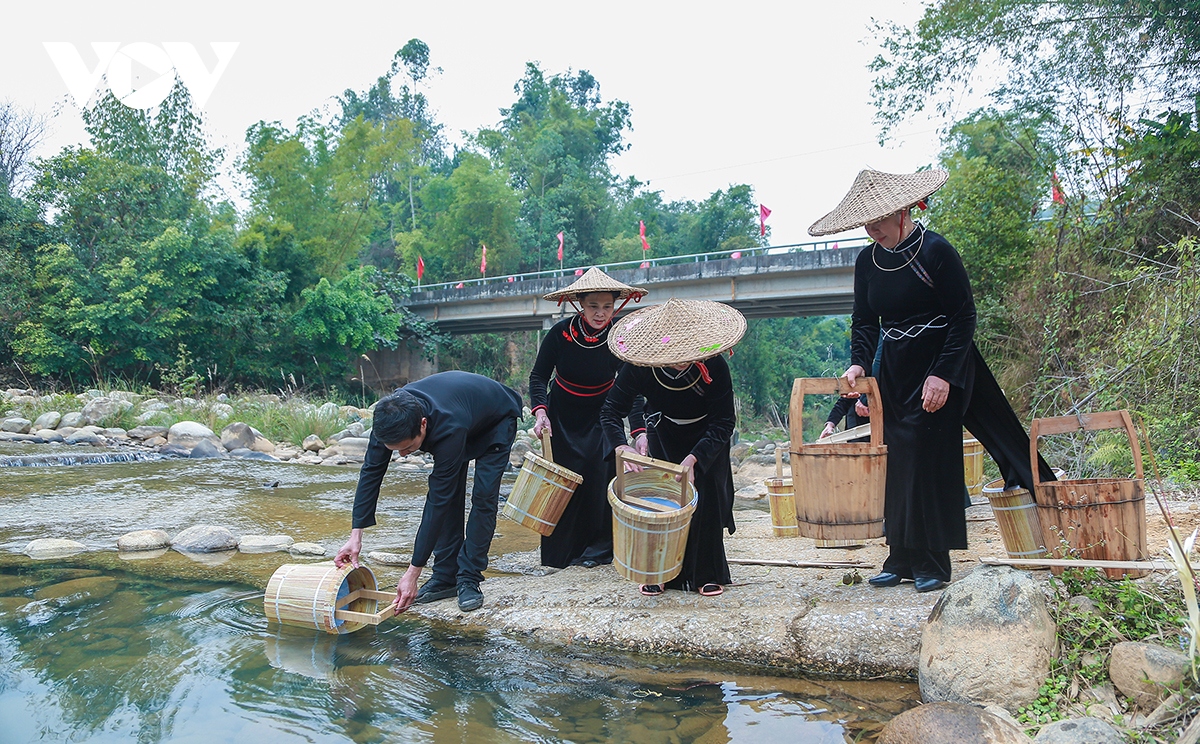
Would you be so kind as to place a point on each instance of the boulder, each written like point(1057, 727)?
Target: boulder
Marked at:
point(249, 454)
point(1144, 671)
point(354, 448)
point(190, 433)
point(46, 548)
point(143, 540)
point(16, 425)
point(98, 410)
point(312, 443)
point(389, 559)
point(153, 406)
point(1078, 731)
point(83, 437)
point(172, 450)
point(72, 420)
point(204, 538)
point(125, 395)
point(49, 435)
point(206, 449)
point(328, 410)
point(222, 410)
point(152, 418)
point(356, 429)
point(48, 420)
point(287, 452)
point(262, 444)
point(950, 723)
point(114, 432)
point(338, 436)
point(306, 548)
point(147, 432)
point(264, 543)
point(989, 640)
point(237, 436)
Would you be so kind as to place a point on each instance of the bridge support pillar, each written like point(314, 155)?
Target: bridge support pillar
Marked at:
point(389, 369)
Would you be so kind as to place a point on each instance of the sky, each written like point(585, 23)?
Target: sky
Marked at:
point(775, 95)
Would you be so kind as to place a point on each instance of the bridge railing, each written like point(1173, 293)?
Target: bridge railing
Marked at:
point(648, 263)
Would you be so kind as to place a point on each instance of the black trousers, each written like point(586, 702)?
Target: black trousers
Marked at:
point(460, 556)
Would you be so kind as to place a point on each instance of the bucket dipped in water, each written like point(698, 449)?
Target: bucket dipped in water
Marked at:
point(542, 491)
point(652, 513)
point(839, 486)
point(323, 597)
point(1092, 518)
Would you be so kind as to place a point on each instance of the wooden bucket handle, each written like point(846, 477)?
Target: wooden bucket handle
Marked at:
point(650, 462)
point(826, 385)
point(779, 463)
point(547, 451)
point(1087, 422)
point(370, 618)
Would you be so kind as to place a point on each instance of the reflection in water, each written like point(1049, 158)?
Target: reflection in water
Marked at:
point(94, 648)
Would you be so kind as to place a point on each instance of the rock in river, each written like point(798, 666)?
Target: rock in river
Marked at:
point(204, 539)
point(53, 547)
point(143, 540)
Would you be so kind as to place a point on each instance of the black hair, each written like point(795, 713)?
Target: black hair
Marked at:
point(397, 417)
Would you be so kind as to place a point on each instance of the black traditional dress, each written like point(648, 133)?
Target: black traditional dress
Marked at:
point(919, 295)
point(574, 361)
point(687, 413)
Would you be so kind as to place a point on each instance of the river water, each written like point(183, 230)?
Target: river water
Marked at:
point(175, 648)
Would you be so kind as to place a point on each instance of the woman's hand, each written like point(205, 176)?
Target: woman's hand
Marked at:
point(861, 409)
point(689, 462)
point(630, 467)
point(641, 443)
point(852, 373)
point(828, 430)
point(934, 394)
point(542, 423)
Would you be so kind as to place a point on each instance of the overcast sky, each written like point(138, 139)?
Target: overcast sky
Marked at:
point(775, 95)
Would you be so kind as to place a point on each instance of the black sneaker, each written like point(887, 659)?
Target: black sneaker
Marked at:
point(469, 597)
point(433, 590)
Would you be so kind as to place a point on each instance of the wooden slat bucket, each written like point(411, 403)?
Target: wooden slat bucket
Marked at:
point(1017, 517)
point(838, 487)
point(1092, 518)
point(782, 501)
point(541, 492)
point(651, 516)
point(325, 597)
point(973, 465)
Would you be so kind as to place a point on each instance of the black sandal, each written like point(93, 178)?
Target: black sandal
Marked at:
point(651, 590)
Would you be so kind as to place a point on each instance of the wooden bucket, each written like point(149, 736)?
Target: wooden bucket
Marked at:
point(973, 465)
point(325, 597)
point(541, 492)
point(838, 487)
point(1097, 518)
point(782, 501)
point(1017, 517)
point(651, 516)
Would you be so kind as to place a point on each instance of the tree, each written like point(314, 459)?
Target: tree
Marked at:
point(20, 134)
point(343, 319)
point(473, 207)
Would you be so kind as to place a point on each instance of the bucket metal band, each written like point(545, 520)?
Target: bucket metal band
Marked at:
point(544, 479)
point(508, 506)
point(1034, 553)
point(631, 569)
point(634, 527)
point(837, 524)
point(315, 611)
point(279, 588)
point(1090, 504)
point(1030, 505)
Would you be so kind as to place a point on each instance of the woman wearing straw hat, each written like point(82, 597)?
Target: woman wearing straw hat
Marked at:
point(673, 359)
point(576, 365)
point(912, 295)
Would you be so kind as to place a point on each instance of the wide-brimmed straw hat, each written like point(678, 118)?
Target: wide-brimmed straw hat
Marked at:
point(594, 280)
point(677, 332)
point(875, 195)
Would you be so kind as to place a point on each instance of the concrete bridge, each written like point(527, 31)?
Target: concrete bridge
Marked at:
point(773, 282)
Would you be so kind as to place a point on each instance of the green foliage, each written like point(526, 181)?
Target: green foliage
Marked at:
point(350, 315)
point(473, 207)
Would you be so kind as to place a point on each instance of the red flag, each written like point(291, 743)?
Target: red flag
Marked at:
point(763, 214)
point(1056, 194)
point(420, 267)
point(642, 233)
point(560, 246)
point(483, 260)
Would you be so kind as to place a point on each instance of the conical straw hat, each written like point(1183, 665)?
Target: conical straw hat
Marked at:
point(594, 280)
point(875, 195)
point(676, 332)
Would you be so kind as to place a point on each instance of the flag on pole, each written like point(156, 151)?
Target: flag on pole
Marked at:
point(483, 261)
point(420, 268)
point(763, 214)
point(642, 234)
point(560, 247)
point(1056, 194)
